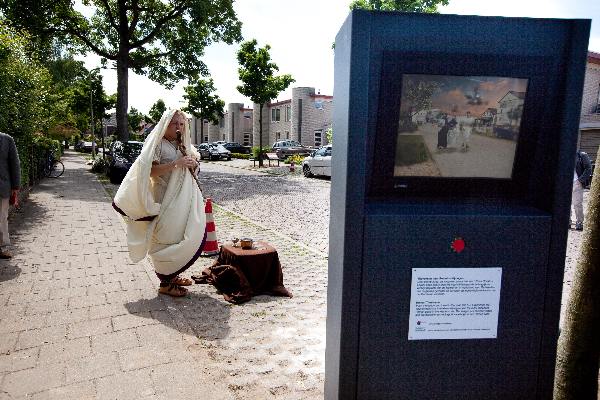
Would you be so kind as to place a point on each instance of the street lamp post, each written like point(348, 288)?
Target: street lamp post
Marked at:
point(92, 114)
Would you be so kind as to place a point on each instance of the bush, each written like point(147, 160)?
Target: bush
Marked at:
point(295, 158)
point(99, 164)
point(411, 149)
point(256, 150)
point(241, 156)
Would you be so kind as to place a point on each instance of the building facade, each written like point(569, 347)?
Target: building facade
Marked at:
point(589, 127)
point(305, 118)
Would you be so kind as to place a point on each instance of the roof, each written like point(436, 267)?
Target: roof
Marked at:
point(593, 58)
point(278, 103)
point(518, 95)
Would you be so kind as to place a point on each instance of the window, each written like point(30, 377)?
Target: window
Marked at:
point(221, 122)
point(275, 115)
point(288, 113)
point(205, 138)
point(287, 134)
point(246, 139)
point(318, 136)
point(277, 135)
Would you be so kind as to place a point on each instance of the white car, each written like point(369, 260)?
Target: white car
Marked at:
point(318, 163)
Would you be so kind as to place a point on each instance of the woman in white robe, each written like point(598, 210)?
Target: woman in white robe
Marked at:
point(163, 205)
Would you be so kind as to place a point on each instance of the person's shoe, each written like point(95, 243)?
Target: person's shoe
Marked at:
point(579, 226)
point(182, 281)
point(5, 255)
point(173, 290)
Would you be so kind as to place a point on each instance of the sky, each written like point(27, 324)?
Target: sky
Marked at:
point(457, 95)
point(300, 34)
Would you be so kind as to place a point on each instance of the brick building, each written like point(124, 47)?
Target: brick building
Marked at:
point(589, 126)
point(305, 118)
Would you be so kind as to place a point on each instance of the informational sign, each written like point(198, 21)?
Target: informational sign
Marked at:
point(454, 303)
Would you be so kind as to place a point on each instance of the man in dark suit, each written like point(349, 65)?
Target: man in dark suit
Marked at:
point(10, 180)
point(583, 172)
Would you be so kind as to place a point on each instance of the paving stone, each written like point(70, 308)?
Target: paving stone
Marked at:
point(44, 307)
point(68, 316)
point(17, 323)
point(79, 391)
point(24, 383)
point(132, 320)
point(19, 360)
point(142, 357)
point(98, 366)
point(87, 301)
point(65, 351)
point(104, 288)
point(38, 337)
point(90, 328)
point(120, 340)
point(132, 385)
point(108, 310)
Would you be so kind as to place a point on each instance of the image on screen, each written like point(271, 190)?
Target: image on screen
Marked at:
point(459, 126)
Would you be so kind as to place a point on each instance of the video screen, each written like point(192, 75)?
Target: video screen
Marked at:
point(459, 126)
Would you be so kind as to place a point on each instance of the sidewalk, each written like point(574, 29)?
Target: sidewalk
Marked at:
point(78, 320)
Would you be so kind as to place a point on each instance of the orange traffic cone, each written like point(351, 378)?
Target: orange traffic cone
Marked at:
point(211, 247)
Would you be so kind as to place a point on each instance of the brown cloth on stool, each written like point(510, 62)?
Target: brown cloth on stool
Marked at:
point(240, 274)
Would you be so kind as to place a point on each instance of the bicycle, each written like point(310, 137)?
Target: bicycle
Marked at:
point(53, 168)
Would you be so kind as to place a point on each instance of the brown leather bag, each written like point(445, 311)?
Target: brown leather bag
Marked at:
point(229, 280)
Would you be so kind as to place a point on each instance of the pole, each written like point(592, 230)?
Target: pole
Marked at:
point(92, 114)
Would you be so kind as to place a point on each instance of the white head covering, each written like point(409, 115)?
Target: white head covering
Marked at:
point(173, 236)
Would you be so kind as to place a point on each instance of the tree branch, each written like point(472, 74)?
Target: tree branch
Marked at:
point(136, 17)
point(142, 61)
point(111, 17)
point(89, 43)
point(177, 11)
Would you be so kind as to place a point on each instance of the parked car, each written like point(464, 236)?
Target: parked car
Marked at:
point(285, 148)
point(86, 147)
point(235, 147)
point(318, 163)
point(213, 151)
point(120, 157)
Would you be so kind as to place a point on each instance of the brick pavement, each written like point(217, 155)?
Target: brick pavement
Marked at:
point(291, 204)
point(78, 320)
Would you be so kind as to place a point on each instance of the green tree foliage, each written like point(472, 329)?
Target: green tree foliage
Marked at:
point(157, 110)
point(164, 40)
point(256, 72)
point(424, 6)
point(135, 119)
point(27, 105)
point(202, 103)
point(40, 19)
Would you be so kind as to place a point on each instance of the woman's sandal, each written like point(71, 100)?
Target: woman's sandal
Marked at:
point(173, 290)
point(182, 281)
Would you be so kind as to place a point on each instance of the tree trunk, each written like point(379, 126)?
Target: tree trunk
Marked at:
point(123, 73)
point(579, 343)
point(122, 106)
point(260, 145)
point(201, 132)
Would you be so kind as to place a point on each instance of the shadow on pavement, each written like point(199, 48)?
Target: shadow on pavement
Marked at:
point(9, 270)
point(196, 314)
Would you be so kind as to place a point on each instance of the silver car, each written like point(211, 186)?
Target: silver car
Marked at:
point(213, 151)
point(318, 163)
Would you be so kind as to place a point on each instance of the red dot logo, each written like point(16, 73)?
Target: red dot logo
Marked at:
point(458, 245)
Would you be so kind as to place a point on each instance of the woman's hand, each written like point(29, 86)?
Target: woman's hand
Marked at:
point(186, 162)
